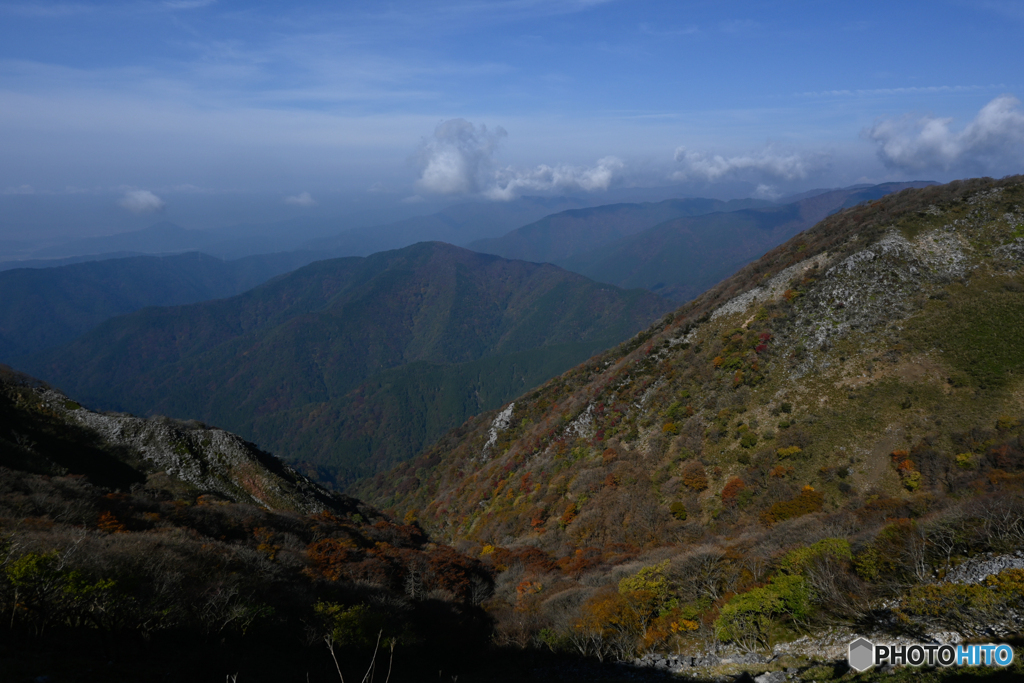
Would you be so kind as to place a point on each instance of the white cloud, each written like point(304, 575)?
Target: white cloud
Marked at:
point(459, 159)
point(995, 136)
point(767, 163)
point(141, 201)
point(509, 182)
point(20, 189)
point(303, 199)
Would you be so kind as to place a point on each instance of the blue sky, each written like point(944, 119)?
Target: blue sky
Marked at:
point(401, 101)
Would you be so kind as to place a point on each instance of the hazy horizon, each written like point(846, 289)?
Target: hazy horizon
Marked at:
point(115, 116)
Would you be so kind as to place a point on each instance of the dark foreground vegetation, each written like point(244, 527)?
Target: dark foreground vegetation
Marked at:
point(203, 587)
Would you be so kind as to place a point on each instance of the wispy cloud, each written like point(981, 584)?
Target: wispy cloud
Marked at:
point(459, 159)
point(141, 201)
point(505, 10)
point(187, 4)
point(1011, 9)
point(922, 90)
point(994, 137)
point(668, 32)
point(59, 10)
point(46, 10)
point(19, 189)
point(768, 163)
point(303, 199)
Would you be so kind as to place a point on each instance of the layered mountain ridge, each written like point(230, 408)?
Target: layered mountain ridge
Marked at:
point(677, 248)
point(573, 233)
point(426, 336)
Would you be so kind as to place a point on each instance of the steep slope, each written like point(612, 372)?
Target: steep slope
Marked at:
point(568, 234)
point(278, 363)
point(682, 257)
point(812, 444)
point(892, 327)
point(164, 537)
point(44, 307)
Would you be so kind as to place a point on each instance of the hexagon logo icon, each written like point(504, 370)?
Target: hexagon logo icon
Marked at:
point(862, 653)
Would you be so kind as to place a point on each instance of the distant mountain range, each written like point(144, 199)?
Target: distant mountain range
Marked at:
point(673, 247)
point(42, 308)
point(460, 225)
point(832, 437)
point(677, 248)
point(356, 360)
point(327, 237)
point(573, 233)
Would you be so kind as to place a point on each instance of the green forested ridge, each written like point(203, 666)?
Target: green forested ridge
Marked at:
point(281, 363)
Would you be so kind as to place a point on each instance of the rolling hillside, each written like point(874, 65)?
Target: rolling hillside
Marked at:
point(460, 225)
point(416, 339)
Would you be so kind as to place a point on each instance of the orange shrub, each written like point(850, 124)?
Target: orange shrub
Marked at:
point(694, 475)
point(732, 490)
point(109, 523)
point(568, 515)
point(328, 557)
point(807, 502)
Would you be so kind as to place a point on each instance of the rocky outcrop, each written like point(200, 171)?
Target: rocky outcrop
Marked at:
point(676, 663)
point(977, 569)
point(206, 459)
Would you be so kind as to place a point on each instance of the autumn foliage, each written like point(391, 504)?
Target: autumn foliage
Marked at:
point(806, 502)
